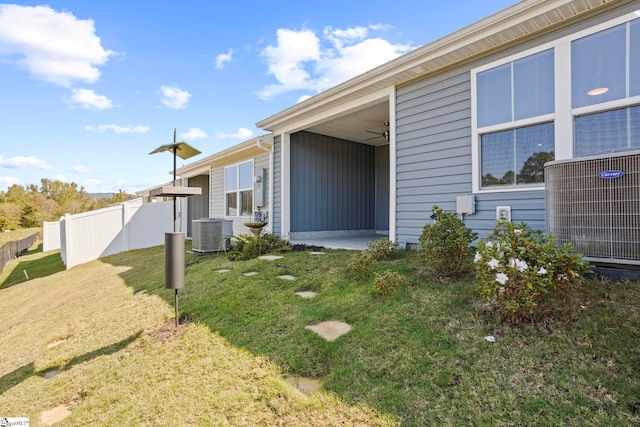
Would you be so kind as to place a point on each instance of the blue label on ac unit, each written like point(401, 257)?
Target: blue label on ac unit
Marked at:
point(611, 174)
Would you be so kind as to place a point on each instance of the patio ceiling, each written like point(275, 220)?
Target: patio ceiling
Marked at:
point(358, 126)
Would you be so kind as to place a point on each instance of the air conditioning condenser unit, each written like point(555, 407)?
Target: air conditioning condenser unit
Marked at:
point(211, 234)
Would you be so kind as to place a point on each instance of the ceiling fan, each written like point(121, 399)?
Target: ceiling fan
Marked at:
point(384, 134)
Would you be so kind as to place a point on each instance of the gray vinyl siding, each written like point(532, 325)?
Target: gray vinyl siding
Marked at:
point(332, 184)
point(217, 198)
point(198, 206)
point(434, 148)
point(277, 181)
point(434, 159)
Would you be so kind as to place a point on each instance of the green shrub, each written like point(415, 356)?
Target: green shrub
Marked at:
point(247, 247)
point(360, 263)
point(382, 249)
point(524, 272)
point(446, 245)
point(387, 282)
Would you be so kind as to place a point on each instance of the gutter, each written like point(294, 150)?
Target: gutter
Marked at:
point(260, 145)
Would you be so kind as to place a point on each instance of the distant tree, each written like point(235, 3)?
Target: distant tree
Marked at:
point(10, 216)
point(533, 169)
point(121, 196)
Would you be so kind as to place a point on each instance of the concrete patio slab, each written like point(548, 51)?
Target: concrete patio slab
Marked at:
point(251, 273)
point(317, 253)
point(222, 270)
point(330, 330)
point(287, 277)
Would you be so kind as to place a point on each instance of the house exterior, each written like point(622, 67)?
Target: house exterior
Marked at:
point(234, 183)
point(466, 123)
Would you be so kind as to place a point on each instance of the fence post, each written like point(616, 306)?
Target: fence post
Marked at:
point(68, 244)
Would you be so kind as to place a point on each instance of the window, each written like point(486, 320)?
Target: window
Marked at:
point(518, 90)
point(516, 156)
point(238, 186)
point(606, 67)
point(575, 96)
point(514, 102)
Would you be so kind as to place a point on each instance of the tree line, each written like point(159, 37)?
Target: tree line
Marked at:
point(28, 207)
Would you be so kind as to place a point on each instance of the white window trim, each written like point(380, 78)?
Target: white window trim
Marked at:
point(564, 115)
point(239, 190)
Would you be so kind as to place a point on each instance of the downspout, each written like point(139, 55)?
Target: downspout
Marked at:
point(259, 144)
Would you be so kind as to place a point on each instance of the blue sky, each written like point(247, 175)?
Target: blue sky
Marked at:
point(90, 87)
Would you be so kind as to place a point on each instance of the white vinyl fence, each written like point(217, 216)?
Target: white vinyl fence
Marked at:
point(130, 225)
point(50, 236)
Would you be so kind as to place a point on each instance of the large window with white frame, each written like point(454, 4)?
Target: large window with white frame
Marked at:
point(515, 105)
point(605, 72)
point(238, 189)
point(576, 96)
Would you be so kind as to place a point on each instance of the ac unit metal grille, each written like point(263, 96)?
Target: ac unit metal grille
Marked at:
point(599, 216)
point(210, 234)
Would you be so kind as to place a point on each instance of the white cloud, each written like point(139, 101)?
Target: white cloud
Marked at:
point(193, 133)
point(60, 177)
point(242, 133)
point(90, 100)
point(302, 61)
point(8, 181)
point(223, 58)
point(303, 98)
point(80, 169)
point(174, 97)
point(52, 46)
point(25, 163)
point(118, 128)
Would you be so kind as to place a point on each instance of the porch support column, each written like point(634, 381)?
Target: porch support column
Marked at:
point(285, 182)
point(392, 166)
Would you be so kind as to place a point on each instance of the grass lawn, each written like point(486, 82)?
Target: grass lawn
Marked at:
point(19, 234)
point(418, 357)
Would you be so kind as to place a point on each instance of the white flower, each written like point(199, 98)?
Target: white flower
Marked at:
point(493, 263)
point(502, 278)
point(478, 257)
point(517, 231)
point(563, 276)
point(542, 271)
point(489, 244)
point(519, 265)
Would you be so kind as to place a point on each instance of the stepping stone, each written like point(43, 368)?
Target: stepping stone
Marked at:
point(307, 294)
point(54, 415)
point(316, 253)
point(270, 257)
point(305, 385)
point(330, 330)
point(251, 273)
point(286, 277)
point(137, 294)
point(50, 373)
point(223, 270)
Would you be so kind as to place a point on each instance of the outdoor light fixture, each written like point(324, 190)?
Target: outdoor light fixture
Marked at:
point(174, 242)
point(598, 91)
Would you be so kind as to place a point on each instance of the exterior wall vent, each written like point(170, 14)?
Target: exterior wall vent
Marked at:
point(210, 233)
point(594, 204)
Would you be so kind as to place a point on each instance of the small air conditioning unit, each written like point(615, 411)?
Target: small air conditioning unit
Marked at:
point(211, 234)
point(594, 204)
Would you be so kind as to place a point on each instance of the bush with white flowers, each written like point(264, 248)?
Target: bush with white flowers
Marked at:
point(524, 273)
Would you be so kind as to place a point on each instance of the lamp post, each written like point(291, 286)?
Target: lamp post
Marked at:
point(174, 242)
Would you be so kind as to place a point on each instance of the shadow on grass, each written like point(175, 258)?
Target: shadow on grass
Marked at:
point(43, 266)
point(25, 372)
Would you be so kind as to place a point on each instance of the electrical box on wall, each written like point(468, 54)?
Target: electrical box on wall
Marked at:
point(259, 186)
point(466, 205)
point(503, 213)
